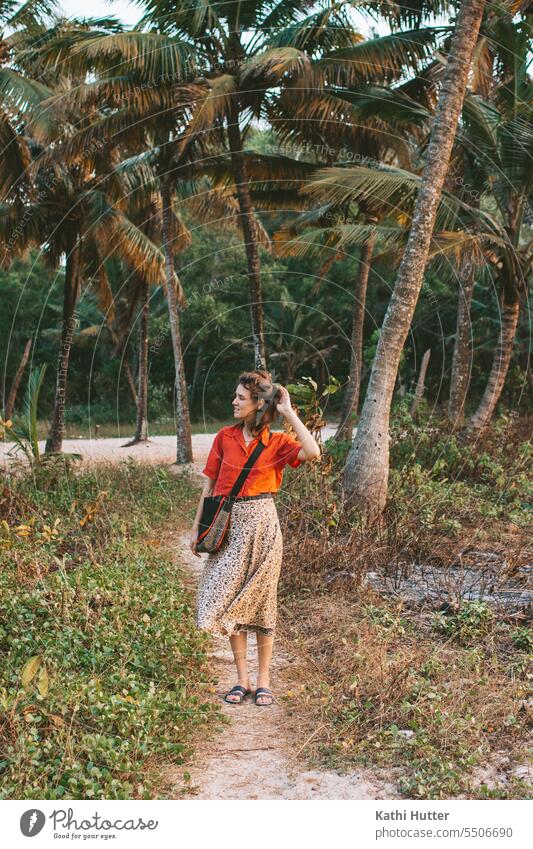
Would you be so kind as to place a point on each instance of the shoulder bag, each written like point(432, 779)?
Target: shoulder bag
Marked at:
point(216, 510)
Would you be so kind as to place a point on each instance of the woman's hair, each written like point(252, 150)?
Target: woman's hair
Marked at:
point(260, 385)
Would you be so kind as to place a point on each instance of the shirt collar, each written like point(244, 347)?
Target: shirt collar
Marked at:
point(237, 428)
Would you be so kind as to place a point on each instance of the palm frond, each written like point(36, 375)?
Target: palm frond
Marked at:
point(152, 55)
point(220, 209)
point(383, 59)
point(33, 13)
point(273, 16)
point(101, 285)
point(380, 184)
point(516, 150)
point(337, 130)
point(197, 19)
point(21, 92)
point(14, 160)
point(211, 107)
point(117, 235)
point(479, 128)
point(408, 12)
point(325, 30)
point(341, 238)
point(269, 67)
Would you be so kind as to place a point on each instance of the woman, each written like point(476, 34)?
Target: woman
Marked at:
point(238, 586)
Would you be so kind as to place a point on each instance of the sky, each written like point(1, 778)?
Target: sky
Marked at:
point(130, 13)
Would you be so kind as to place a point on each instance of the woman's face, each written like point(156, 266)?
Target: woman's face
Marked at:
point(244, 408)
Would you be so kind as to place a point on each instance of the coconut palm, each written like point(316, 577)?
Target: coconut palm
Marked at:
point(151, 131)
point(245, 52)
point(339, 108)
point(499, 130)
point(76, 210)
point(19, 20)
point(492, 171)
point(366, 471)
point(240, 74)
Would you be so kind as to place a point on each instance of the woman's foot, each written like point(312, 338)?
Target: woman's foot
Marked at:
point(262, 684)
point(237, 696)
point(263, 696)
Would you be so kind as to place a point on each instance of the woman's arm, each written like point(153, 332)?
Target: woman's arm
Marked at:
point(209, 485)
point(310, 449)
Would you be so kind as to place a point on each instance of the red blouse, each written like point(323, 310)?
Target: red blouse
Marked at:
point(229, 453)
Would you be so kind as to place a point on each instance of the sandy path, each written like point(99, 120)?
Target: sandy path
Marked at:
point(159, 449)
point(252, 757)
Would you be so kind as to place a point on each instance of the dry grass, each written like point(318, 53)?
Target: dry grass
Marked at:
point(382, 682)
point(374, 684)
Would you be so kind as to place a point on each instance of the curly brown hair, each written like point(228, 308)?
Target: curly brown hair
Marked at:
point(260, 385)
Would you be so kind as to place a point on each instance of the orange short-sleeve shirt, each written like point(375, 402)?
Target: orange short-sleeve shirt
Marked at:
point(229, 453)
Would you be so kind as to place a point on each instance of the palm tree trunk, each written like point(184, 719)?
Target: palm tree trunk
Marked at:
point(462, 350)
point(183, 431)
point(56, 433)
point(197, 369)
point(131, 382)
point(366, 473)
point(421, 383)
point(250, 238)
point(10, 405)
point(350, 403)
point(500, 366)
point(141, 425)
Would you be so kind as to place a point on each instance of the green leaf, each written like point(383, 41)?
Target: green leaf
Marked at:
point(43, 681)
point(30, 668)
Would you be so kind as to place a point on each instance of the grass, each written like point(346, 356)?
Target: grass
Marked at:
point(434, 695)
point(377, 685)
point(103, 673)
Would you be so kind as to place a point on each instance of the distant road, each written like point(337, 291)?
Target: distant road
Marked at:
point(160, 449)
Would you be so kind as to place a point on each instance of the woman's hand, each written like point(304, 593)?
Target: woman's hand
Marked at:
point(284, 407)
point(193, 540)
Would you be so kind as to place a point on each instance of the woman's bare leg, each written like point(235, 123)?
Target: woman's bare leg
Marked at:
point(238, 646)
point(265, 643)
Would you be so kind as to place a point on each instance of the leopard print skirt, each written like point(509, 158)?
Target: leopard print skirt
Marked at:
point(238, 586)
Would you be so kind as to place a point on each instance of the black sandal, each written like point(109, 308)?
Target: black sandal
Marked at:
point(263, 691)
point(242, 692)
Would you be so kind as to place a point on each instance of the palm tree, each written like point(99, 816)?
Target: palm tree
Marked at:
point(347, 111)
point(497, 174)
point(462, 349)
point(500, 131)
point(21, 20)
point(239, 76)
point(366, 472)
point(245, 53)
point(69, 214)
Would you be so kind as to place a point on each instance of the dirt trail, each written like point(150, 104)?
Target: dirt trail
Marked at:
point(251, 758)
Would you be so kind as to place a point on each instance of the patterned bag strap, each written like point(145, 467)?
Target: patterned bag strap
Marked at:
point(237, 486)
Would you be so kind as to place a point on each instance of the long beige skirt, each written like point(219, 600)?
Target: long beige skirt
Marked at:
point(238, 586)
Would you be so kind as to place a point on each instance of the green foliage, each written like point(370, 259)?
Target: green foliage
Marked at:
point(445, 472)
point(305, 394)
point(523, 638)
point(471, 623)
point(25, 434)
point(102, 664)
